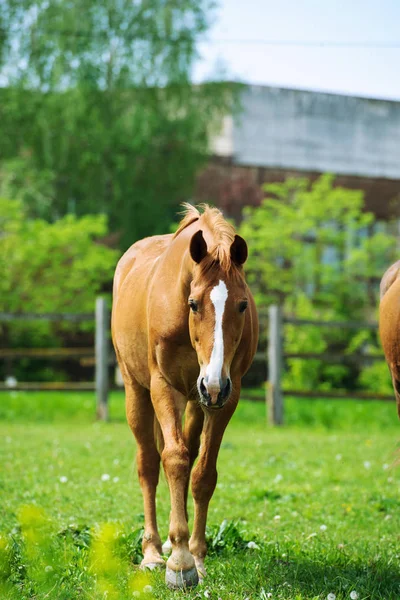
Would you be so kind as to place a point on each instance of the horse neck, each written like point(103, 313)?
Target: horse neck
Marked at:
point(179, 260)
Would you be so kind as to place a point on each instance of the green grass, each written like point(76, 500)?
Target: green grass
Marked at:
point(319, 498)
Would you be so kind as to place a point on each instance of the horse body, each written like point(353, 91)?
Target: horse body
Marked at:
point(389, 324)
point(185, 331)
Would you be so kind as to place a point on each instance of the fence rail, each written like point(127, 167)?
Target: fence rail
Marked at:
point(275, 394)
point(74, 317)
point(100, 353)
point(101, 357)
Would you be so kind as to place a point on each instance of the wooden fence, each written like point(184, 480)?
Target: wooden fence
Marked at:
point(100, 353)
point(276, 356)
point(101, 356)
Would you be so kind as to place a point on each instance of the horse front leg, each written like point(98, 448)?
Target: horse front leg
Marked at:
point(204, 478)
point(194, 419)
point(169, 406)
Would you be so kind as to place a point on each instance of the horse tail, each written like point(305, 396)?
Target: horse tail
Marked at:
point(158, 435)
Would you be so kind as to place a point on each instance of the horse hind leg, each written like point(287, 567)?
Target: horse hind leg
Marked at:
point(140, 416)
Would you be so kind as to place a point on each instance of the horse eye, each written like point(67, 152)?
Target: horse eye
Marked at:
point(193, 305)
point(243, 306)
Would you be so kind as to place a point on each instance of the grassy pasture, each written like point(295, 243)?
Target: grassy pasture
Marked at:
point(299, 513)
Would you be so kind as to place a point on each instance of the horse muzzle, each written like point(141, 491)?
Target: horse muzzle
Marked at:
point(213, 395)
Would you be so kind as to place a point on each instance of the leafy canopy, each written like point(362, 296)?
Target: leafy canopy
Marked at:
point(49, 267)
point(315, 251)
point(101, 108)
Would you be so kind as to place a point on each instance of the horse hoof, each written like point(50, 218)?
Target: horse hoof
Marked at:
point(181, 579)
point(152, 566)
point(201, 572)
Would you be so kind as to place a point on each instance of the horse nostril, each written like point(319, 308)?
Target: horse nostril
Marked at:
point(203, 390)
point(225, 390)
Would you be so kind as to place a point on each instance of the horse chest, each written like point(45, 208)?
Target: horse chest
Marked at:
point(178, 364)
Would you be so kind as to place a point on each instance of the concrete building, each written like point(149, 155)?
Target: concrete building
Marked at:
point(283, 132)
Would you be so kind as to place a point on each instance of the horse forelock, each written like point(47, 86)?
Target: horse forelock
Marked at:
point(222, 233)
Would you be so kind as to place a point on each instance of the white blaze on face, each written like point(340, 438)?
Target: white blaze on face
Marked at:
point(218, 297)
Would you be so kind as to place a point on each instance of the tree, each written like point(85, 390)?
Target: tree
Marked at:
point(49, 267)
point(315, 251)
point(100, 97)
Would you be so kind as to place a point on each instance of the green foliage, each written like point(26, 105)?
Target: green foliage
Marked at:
point(227, 537)
point(21, 180)
point(101, 107)
point(315, 251)
point(49, 267)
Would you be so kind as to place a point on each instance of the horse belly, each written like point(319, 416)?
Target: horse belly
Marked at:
point(130, 332)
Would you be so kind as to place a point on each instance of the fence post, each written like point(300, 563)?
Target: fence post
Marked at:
point(274, 396)
point(101, 341)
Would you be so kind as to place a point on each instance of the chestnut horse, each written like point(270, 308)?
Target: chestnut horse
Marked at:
point(185, 331)
point(389, 324)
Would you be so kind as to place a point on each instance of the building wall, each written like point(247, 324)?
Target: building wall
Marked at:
point(283, 132)
point(231, 187)
point(318, 132)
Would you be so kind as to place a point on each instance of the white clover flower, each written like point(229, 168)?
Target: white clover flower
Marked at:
point(367, 464)
point(148, 589)
point(11, 382)
point(206, 594)
point(353, 595)
point(338, 457)
point(331, 596)
point(278, 478)
point(115, 479)
point(105, 477)
point(277, 517)
point(136, 594)
point(116, 461)
point(323, 528)
point(48, 568)
point(385, 467)
point(253, 545)
point(63, 479)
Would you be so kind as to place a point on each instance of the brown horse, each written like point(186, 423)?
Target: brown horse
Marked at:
point(389, 324)
point(185, 331)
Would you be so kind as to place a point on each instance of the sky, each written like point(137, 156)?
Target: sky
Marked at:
point(359, 54)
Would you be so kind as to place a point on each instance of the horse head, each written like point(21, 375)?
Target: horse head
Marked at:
point(217, 301)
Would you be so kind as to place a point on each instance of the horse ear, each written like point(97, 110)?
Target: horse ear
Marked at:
point(198, 247)
point(239, 250)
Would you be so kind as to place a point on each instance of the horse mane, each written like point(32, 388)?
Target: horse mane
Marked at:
point(223, 234)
